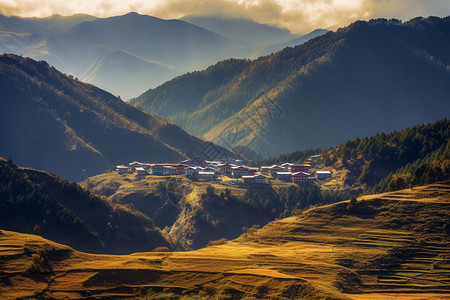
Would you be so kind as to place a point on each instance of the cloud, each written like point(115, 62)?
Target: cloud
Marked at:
point(299, 16)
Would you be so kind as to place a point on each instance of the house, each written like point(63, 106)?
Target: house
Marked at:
point(270, 169)
point(264, 169)
point(256, 179)
point(259, 179)
point(122, 169)
point(191, 171)
point(300, 168)
point(239, 171)
point(206, 176)
point(167, 170)
point(178, 169)
point(248, 179)
point(141, 171)
point(300, 177)
point(209, 169)
point(313, 158)
point(136, 164)
point(284, 176)
point(253, 170)
point(173, 169)
point(225, 168)
point(157, 169)
point(286, 167)
point(322, 175)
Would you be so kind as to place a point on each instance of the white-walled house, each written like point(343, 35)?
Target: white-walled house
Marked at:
point(141, 171)
point(322, 175)
point(122, 169)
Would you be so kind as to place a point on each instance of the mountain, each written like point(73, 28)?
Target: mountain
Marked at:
point(36, 38)
point(293, 42)
point(93, 49)
point(384, 162)
point(37, 202)
point(128, 54)
point(52, 122)
point(171, 42)
point(53, 25)
point(242, 29)
point(380, 75)
point(380, 246)
point(123, 73)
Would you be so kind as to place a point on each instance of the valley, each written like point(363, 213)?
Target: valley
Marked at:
point(373, 248)
point(224, 150)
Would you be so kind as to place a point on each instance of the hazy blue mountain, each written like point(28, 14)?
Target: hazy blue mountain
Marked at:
point(374, 76)
point(55, 24)
point(294, 42)
point(35, 38)
point(242, 29)
point(131, 53)
point(127, 75)
point(51, 122)
point(171, 42)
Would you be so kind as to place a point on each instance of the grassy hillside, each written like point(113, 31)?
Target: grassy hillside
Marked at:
point(37, 202)
point(385, 246)
point(242, 29)
point(195, 213)
point(52, 122)
point(374, 76)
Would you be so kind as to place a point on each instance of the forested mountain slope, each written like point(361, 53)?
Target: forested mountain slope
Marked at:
point(37, 202)
point(374, 76)
point(52, 122)
point(386, 161)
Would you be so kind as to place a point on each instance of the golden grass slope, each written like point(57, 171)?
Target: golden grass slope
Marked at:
point(384, 246)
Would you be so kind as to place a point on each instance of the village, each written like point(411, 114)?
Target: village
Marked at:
point(230, 171)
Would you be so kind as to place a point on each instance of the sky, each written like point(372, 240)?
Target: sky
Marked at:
point(299, 16)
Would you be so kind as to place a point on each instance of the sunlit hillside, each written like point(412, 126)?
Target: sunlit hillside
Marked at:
point(378, 247)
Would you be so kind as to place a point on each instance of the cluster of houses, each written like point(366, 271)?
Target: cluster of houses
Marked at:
point(204, 170)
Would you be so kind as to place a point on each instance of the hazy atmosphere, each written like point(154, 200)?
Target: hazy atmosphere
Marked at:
point(225, 149)
point(299, 16)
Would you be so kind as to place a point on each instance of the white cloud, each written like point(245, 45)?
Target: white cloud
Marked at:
point(297, 15)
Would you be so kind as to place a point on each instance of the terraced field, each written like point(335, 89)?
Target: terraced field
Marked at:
point(383, 247)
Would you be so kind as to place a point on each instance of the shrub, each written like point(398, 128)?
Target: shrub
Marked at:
point(161, 249)
point(222, 241)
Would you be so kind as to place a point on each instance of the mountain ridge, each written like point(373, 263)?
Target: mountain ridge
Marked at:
point(75, 129)
point(263, 98)
point(87, 41)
